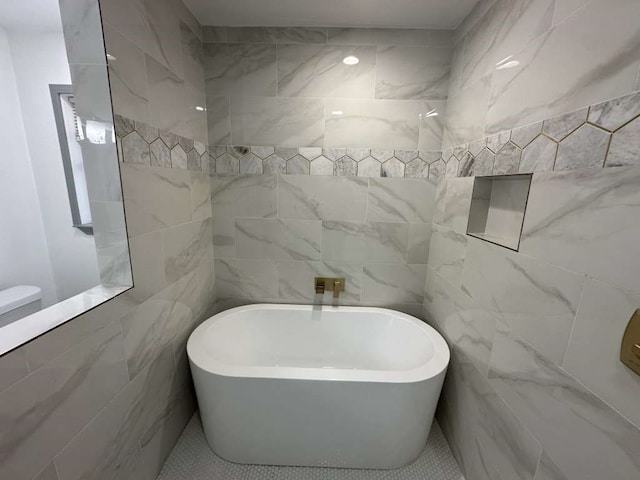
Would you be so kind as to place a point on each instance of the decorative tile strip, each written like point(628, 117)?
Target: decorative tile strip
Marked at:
point(142, 144)
point(602, 135)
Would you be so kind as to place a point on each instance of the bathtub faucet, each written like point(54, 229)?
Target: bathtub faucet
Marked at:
point(335, 285)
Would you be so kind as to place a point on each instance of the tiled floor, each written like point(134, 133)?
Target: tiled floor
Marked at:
point(192, 459)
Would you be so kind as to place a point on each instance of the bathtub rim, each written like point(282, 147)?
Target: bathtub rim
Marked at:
point(437, 365)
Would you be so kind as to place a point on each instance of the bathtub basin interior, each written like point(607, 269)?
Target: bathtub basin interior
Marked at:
point(345, 387)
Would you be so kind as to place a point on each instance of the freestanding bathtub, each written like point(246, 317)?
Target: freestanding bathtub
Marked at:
point(305, 385)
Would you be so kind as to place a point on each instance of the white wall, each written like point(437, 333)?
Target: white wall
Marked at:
point(24, 256)
point(40, 59)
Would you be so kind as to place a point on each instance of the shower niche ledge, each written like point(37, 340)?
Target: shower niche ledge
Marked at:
point(498, 204)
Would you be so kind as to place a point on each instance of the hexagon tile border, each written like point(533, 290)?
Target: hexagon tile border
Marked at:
point(602, 135)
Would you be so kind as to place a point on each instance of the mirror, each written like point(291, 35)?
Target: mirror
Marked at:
point(63, 241)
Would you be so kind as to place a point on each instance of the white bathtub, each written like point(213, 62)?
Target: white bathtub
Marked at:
point(298, 385)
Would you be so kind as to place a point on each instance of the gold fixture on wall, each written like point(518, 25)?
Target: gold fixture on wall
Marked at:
point(630, 352)
point(335, 285)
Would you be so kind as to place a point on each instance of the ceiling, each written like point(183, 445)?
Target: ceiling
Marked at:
point(39, 15)
point(444, 14)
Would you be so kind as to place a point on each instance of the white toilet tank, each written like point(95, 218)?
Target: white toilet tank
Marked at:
point(18, 302)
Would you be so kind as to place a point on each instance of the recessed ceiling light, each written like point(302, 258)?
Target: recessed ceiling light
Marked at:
point(337, 113)
point(200, 109)
point(351, 60)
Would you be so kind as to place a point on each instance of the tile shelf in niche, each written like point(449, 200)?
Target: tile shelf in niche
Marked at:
point(498, 205)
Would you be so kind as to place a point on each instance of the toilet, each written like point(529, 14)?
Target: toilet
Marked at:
point(18, 302)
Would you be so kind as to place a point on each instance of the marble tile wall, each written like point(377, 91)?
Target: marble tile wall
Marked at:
point(156, 64)
point(517, 62)
point(274, 233)
point(535, 388)
point(288, 87)
point(107, 394)
point(601, 135)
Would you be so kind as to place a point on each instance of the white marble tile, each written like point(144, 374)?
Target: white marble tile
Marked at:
point(322, 166)
point(358, 153)
point(452, 167)
point(184, 246)
point(417, 168)
point(91, 92)
point(400, 200)
point(538, 156)
point(572, 217)
point(393, 168)
point(466, 114)
point(277, 121)
point(532, 385)
point(457, 204)
point(151, 327)
point(298, 165)
point(462, 322)
point(82, 27)
point(278, 239)
point(506, 28)
point(507, 161)
point(593, 356)
point(250, 164)
point(346, 167)
point(147, 261)
point(244, 196)
point(277, 35)
point(584, 148)
point(227, 164)
point(393, 283)
point(496, 142)
point(523, 136)
point(240, 69)
point(412, 73)
point(615, 113)
point(432, 121)
point(192, 57)
point(318, 71)
point(492, 441)
point(167, 96)
point(538, 301)
point(561, 126)
point(322, 198)
point(274, 165)
point(364, 242)
point(200, 195)
point(160, 154)
point(623, 150)
point(129, 87)
point(447, 253)
point(48, 408)
point(419, 242)
point(135, 149)
point(155, 198)
point(246, 278)
point(373, 123)
point(296, 280)
point(218, 120)
point(378, 36)
point(109, 446)
point(369, 167)
point(224, 237)
point(557, 74)
point(547, 470)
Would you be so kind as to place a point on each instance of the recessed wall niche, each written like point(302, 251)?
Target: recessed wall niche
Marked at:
point(497, 209)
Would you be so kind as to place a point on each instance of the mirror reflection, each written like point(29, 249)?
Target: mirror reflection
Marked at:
point(51, 186)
